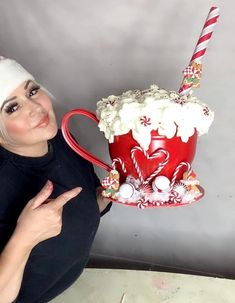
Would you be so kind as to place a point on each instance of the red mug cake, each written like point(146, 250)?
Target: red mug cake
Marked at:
point(152, 137)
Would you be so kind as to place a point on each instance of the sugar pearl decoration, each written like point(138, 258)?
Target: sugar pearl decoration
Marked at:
point(126, 190)
point(161, 184)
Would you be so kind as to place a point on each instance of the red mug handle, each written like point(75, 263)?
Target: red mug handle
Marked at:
point(73, 144)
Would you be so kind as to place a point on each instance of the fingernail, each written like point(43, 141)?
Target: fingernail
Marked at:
point(78, 190)
point(74, 192)
point(48, 184)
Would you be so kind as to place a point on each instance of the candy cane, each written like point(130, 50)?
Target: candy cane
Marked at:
point(176, 172)
point(133, 150)
point(154, 155)
point(161, 165)
point(119, 160)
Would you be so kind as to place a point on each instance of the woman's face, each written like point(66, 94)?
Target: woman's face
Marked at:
point(28, 116)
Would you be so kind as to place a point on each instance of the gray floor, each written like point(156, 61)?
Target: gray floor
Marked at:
point(125, 286)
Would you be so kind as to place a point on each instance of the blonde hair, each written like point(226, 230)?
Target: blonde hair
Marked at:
point(3, 133)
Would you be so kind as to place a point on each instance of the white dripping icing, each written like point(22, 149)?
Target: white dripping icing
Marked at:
point(153, 109)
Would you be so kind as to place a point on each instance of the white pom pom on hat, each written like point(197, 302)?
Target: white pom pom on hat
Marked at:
point(12, 74)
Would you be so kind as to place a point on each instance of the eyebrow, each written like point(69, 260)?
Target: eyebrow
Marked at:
point(27, 84)
point(8, 100)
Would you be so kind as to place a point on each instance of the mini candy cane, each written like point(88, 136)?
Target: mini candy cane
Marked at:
point(119, 160)
point(154, 155)
point(133, 150)
point(160, 165)
point(178, 168)
point(192, 74)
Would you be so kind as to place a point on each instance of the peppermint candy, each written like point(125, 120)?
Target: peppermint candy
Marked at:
point(175, 197)
point(142, 203)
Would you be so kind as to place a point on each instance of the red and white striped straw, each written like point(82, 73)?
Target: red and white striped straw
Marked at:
point(200, 50)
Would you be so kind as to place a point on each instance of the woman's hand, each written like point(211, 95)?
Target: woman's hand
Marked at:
point(102, 201)
point(42, 218)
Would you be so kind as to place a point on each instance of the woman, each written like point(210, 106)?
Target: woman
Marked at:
point(46, 246)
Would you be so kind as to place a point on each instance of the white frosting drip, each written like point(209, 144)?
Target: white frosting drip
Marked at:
point(153, 109)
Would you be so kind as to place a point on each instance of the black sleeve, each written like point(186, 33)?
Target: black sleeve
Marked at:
point(95, 177)
point(107, 209)
point(6, 231)
point(10, 207)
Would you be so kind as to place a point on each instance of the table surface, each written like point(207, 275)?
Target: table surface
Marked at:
point(131, 286)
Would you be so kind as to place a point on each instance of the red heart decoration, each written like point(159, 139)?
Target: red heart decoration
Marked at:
point(178, 151)
point(148, 166)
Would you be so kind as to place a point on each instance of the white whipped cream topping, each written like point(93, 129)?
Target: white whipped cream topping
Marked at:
point(153, 109)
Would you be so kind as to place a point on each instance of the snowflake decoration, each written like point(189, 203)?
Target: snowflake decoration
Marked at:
point(111, 102)
point(145, 121)
point(138, 93)
point(180, 101)
point(206, 110)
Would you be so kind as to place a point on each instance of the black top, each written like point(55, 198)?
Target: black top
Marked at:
point(56, 263)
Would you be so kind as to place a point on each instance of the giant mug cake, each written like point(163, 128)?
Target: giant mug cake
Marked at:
point(152, 138)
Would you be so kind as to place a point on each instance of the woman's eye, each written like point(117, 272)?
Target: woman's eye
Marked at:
point(33, 91)
point(11, 108)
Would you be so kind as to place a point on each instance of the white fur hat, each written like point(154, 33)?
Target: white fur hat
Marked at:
point(12, 74)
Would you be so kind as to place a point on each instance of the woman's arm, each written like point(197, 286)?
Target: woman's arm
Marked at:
point(41, 219)
point(12, 263)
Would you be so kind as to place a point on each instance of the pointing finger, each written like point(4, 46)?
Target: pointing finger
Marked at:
point(60, 201)
point(43, 195)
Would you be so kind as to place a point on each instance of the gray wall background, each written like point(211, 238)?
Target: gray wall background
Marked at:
point(85, 50)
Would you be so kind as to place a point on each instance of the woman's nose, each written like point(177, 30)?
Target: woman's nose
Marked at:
point(34, 108)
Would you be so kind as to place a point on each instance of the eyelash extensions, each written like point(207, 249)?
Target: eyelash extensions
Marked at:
point(30, 93)
point(13, 106)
